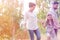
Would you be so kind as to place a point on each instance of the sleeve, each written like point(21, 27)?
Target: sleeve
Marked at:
point(25, 17)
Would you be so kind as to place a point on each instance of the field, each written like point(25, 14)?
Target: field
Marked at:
point(11, 15)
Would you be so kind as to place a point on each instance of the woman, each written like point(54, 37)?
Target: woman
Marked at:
point(50, 25)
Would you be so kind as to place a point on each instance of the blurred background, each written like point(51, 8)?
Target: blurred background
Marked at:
point(11, 16)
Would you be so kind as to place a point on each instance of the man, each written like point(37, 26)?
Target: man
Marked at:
point(54, 14)
point(31, 22)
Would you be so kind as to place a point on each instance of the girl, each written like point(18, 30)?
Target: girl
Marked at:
point(50, 25)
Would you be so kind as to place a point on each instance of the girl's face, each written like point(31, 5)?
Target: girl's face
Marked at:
point(49, 16)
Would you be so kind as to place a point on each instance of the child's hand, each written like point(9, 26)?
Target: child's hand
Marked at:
point(44, 26)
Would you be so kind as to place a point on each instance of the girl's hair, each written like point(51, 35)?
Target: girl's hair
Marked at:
point(47, 21)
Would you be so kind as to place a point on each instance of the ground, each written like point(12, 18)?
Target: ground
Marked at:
point(43, 37)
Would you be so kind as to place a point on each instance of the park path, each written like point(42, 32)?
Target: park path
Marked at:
point(43, 37)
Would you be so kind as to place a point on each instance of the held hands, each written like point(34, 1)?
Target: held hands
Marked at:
point(43, 23)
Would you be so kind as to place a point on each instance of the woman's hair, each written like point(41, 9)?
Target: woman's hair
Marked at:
point(47, 21)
